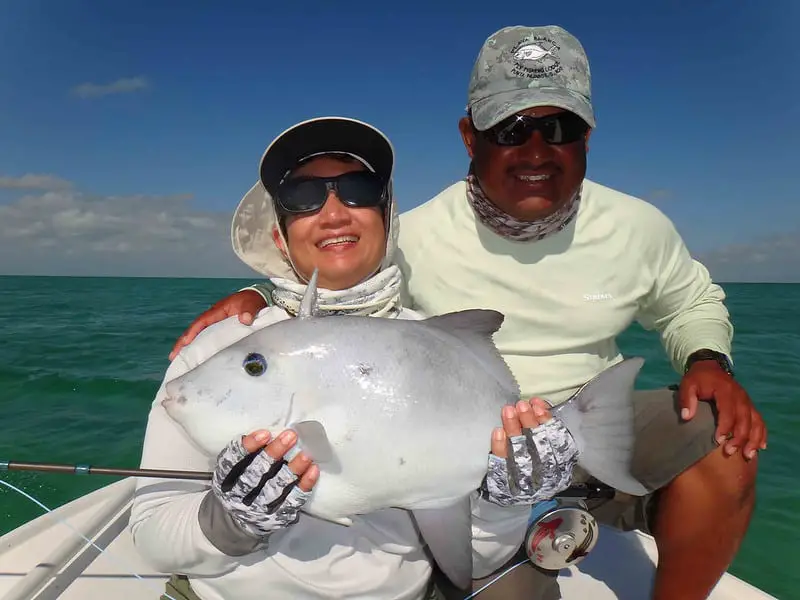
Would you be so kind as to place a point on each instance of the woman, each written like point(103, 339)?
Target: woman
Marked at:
point(323, 200)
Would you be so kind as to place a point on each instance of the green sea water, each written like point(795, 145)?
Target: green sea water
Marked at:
point(81, 359)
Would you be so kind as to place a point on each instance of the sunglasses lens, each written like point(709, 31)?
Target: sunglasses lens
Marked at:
point(511, 133)
point(564, 128)
point(302, 195)
point(361, 189)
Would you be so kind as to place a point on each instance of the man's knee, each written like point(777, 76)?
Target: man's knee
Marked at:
point(730, 479)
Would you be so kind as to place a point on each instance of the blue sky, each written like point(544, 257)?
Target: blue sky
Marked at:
point(128, 132)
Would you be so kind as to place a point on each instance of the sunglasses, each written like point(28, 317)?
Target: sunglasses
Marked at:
point(359, 189)
point(560, 128)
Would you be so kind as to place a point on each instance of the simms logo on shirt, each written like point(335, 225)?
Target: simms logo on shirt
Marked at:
point(599, 297)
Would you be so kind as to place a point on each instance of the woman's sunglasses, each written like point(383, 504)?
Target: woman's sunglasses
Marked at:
point(358, 189)
point(560, 128)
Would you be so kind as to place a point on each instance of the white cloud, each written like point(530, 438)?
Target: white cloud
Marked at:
point(774, 258)
point(120, 86)
point(72, 233)
point(32, 181)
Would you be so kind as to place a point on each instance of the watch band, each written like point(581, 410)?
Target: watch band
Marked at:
point(705, 354)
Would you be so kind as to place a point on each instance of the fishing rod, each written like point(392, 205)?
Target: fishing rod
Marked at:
point(90, 470)
point(587, 491)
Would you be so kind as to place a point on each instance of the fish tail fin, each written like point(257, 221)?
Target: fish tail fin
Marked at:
point(600, 417)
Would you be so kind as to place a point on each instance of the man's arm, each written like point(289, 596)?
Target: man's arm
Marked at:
point(263, 289)
point(688, 311)
point(684, 305)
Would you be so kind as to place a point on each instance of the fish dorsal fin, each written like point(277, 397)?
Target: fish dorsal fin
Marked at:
point(475, 328)
point(308, 305)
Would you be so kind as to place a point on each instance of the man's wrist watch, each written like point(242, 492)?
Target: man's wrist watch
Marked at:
point(705, 354)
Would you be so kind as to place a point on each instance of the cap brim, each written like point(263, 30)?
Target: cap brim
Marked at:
point(326, 134)
point(488, 112)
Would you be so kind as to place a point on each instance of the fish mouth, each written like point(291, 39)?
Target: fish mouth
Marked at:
point(172, 404)
point(338, 240)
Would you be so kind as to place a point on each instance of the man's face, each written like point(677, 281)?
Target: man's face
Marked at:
point(534, 179)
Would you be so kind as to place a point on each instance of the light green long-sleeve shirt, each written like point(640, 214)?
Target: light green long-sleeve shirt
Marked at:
point(565, 298)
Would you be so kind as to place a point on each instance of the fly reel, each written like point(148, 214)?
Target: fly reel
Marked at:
point(561, 532)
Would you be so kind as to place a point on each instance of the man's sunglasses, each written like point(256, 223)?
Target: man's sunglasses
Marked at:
point(560, 128)
point(358, 189)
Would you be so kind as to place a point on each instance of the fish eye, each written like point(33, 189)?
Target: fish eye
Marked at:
point(254, 364)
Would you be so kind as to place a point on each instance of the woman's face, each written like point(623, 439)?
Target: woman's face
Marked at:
point(346, 244)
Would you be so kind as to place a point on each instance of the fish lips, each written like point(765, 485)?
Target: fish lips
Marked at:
point(174, 398)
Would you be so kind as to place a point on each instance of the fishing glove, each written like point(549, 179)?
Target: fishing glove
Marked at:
point(539, 466)
point(251, 496)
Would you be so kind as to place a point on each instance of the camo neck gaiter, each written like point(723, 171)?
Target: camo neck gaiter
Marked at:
point(512, 228)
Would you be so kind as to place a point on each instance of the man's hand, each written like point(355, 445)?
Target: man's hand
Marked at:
point(246, 304)
point(737, 416)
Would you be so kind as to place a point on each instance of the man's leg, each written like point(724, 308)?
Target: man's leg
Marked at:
point(704, 499)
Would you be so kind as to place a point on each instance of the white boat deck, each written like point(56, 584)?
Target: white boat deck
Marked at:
point(44, 559)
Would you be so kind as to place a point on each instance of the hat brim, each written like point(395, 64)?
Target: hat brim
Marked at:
point(252, 227)
point(488, 112)
point(325, 134)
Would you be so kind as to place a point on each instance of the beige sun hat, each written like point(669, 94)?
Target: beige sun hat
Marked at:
point(255, 219)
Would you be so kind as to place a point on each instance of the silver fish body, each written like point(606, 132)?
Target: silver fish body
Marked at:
point(396, 413)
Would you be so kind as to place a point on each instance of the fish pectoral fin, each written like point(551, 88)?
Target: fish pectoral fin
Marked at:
point(314, 441)
point(448, 533)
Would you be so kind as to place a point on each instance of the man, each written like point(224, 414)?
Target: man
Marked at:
point(571, 264)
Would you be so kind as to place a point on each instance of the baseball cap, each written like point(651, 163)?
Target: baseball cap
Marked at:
point(524, 67)
point(326, 135)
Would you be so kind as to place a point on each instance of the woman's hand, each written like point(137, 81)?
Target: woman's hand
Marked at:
point(532, 458)
point(257, 488)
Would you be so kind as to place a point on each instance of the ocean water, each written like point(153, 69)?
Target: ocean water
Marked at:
point(81, 358)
